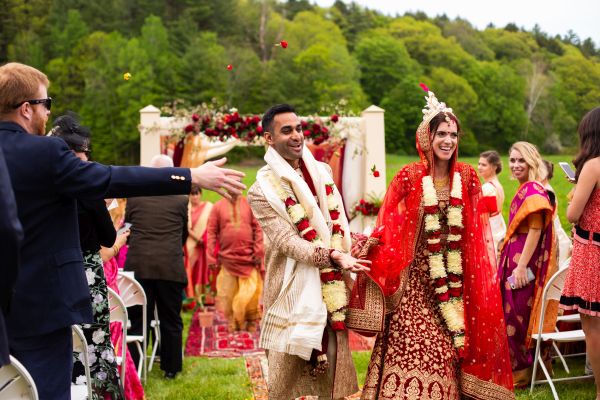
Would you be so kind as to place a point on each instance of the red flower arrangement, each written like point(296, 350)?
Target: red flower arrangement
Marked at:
point(368, 207)
point(223, 126)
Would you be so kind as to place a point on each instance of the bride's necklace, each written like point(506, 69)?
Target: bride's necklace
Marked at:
point(441, 183)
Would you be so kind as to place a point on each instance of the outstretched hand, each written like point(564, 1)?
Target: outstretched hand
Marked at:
point(349, 263)
point(211, 176)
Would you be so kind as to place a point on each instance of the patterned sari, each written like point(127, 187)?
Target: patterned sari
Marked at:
point(522, 306)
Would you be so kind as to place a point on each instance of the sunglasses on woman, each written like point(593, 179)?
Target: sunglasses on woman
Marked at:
point(47, 102)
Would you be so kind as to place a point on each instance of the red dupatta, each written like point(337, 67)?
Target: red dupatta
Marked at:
point(485, 365)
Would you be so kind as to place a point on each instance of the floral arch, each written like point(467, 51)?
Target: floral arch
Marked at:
point(353, 146)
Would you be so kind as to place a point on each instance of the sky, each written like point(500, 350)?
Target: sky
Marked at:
point(553, 16)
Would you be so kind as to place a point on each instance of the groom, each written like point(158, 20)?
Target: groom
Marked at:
point(306, 233)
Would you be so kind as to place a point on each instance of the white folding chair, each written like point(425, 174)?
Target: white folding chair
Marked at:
point(155, 325)
point(79, 391)
point(16, 383)
point(118, 313)
point(552, 291)
point(132, 294)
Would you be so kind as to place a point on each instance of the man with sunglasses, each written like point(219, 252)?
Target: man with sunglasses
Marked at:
point(51, 291)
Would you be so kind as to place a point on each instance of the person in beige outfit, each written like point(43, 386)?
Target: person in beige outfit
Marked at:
point(306, 236)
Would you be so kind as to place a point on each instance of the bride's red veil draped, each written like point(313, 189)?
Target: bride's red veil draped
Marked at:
point(485, 365)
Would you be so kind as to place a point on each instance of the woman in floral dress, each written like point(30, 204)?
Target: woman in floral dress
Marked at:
point(95, 230)
point(444, 334)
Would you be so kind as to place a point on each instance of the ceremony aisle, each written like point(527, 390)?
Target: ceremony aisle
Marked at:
point(213, 378)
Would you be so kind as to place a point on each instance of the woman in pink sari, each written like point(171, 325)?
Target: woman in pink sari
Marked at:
point(197, 270)
point(527, 250)
point(133, 386)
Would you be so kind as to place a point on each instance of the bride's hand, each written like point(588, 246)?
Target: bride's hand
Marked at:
point(349, 263)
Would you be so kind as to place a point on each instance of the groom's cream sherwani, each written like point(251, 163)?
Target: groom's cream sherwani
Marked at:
point(288, 374)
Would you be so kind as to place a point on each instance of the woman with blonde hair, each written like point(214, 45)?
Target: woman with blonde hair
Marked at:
point(526, 259)
point(489, 167)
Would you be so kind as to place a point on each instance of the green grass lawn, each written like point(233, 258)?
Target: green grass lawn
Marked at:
point(226, 379)
point(395, 162)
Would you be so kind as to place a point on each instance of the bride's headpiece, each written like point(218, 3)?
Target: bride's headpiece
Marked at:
point(432, 108)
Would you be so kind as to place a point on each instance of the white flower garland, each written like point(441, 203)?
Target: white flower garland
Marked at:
point(333, 289)
point(451, 304)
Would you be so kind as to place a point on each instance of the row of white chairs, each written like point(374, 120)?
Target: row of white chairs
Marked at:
point(552, 291)
point(17, 383)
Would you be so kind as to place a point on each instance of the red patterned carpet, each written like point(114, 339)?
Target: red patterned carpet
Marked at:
point(216, 341)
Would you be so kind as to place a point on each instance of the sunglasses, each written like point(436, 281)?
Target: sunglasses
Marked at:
point(46, 102)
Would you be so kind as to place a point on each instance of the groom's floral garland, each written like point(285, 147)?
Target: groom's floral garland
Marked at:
point(447, 279)
point(332, 284)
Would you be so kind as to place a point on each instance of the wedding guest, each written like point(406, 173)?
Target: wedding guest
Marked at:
point(582, 286)
point(198, 273)
point(159, 229)
point(51, 291)
point(95, 230)
point(489, 167)
point(527, 256)
point(11, 233)
point(563, 241)
point(235, 245)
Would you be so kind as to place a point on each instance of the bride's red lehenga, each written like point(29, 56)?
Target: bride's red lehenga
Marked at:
point(414, 358)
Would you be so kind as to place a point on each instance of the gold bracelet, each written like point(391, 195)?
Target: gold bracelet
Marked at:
point(116, 249)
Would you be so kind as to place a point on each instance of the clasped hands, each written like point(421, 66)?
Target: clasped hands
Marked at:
point(347, 262)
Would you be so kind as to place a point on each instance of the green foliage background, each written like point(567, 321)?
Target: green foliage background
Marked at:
point(505, 83)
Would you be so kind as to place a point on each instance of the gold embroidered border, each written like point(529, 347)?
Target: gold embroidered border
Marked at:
point(484, 390)
point(371, 318)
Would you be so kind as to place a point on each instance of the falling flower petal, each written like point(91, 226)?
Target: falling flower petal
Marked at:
point(424, 87)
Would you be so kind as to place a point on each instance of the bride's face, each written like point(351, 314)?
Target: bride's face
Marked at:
point(445, 140)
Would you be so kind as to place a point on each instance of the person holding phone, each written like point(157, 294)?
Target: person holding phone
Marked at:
point(526, 259)
point(581, 291)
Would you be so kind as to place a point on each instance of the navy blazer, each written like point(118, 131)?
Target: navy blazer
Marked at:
point(11, 233)
point(51, 291)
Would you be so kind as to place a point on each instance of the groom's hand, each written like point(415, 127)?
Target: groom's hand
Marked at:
point(224, 181)
point(349, 263)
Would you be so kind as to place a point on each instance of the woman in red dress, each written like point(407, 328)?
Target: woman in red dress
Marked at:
point(582, 286)
point(444, 335)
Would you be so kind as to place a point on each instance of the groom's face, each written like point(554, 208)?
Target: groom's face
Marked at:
point(287, 137)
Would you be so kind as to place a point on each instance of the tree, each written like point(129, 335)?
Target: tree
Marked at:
point(383, 61)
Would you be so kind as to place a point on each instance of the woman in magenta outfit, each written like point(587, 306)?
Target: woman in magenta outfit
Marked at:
point(528, 245)
point(582, 286)
point(133, 386)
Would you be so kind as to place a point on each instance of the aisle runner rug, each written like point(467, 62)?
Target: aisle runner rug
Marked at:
point(258, 371)
point(216, 341)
